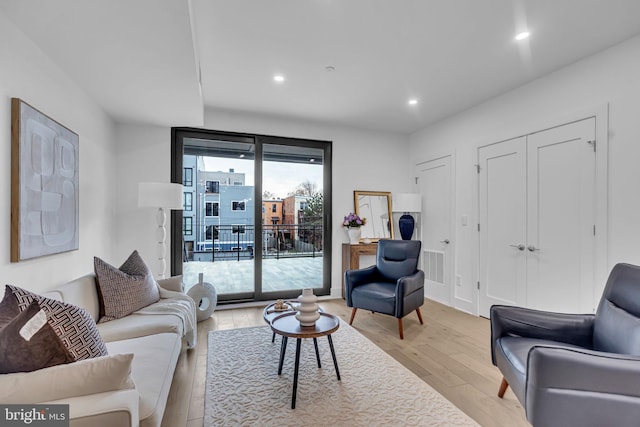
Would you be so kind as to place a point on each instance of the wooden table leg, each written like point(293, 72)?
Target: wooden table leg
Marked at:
point(295, 374)
point(283, 349)
point(333, 354)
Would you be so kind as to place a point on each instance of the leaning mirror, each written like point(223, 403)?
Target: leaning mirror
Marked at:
point(375, 206)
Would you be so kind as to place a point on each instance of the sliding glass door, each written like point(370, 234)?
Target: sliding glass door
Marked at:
point(254, 221)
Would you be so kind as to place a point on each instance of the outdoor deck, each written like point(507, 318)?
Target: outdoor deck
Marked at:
point(237, 276)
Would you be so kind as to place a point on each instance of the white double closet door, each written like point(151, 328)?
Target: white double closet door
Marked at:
point(537, 220)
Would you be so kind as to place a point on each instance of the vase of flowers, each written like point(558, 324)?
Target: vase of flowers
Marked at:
point(353, 223)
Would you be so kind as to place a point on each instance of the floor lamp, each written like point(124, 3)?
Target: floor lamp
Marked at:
point(162, 196)
point(407, 203)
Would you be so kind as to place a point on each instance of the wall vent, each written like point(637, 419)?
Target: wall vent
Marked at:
point(434, 266)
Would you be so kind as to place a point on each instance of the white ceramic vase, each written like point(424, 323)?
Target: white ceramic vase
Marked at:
point(307, 309)
point(354, 235)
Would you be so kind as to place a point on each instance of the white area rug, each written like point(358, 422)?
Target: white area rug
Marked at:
point(243, 387)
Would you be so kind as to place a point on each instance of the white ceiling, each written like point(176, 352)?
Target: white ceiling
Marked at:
point(140, 59)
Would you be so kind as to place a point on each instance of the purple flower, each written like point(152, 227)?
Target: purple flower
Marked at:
point(353, 220)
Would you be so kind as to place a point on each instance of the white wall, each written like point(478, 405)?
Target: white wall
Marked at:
point(26, 73)
point(362, 160)
point(611, 77)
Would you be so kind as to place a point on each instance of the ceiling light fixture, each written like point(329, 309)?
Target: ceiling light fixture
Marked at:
point(523, 35)
point(278, 78)
point(413, 102)
point(312, 160)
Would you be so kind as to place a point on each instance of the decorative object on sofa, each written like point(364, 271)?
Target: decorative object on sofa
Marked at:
point(74, 325)
point(407, 203)
point(126, 289)
point(353, 223)
point(376, 207)
point(44, 184)
point(162, 196)
point(27, 341)
point(393, 286)
point(307, 309)
point(574, 369)
point(205, 296)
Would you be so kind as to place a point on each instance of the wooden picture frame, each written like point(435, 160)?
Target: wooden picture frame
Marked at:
point(44, 184)
point(375, 206)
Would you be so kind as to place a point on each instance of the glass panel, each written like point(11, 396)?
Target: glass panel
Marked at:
point(222, 218)
point(292, 218)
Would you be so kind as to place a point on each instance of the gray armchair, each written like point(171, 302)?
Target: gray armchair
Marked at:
point(574, 370)
point(393, 286)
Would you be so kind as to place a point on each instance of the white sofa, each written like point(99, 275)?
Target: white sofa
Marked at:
point(154, 334)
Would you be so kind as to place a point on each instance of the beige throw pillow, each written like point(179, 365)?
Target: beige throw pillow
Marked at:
point(80, 378)
point(126, 289)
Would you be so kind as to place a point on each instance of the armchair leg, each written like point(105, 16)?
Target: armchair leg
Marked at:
point(353, 314)
point(419, 315)
point(400, 328)
point(503, 387)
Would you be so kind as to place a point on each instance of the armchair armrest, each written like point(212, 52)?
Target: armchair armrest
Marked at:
point(409, 284)
point(353, 278)
point(599, 388)
point(574, 329)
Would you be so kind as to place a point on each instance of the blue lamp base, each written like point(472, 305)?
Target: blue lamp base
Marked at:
point(406, 224)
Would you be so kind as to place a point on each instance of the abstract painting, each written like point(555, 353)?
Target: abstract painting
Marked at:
point(44, 184)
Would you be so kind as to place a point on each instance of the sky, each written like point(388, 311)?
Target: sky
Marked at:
point(279, 178)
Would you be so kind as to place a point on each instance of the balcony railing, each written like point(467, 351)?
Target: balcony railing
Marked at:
point(233, 242)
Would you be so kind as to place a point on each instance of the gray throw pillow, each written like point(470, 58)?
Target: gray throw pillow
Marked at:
point(29, 343)
point(126, 289)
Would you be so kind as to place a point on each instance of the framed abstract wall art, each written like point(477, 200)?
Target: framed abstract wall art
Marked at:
point(44, 184)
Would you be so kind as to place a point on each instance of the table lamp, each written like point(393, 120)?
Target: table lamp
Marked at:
point(407, 203)
point(160, 195)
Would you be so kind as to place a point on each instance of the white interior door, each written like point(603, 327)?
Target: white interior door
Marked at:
point(434, 183)
point(503, 214)
point(561, 234)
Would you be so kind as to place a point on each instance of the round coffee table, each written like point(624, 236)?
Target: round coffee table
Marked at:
point(289, 327)
point(269, 313)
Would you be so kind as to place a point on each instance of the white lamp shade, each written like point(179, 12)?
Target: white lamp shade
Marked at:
point(160, 195)
point(407, 202)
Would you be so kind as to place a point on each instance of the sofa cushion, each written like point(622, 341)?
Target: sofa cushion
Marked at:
point(74, 326)
point(28, 342)
point(140, 325)
point(126, 289)
point(79, 378)
point(152, 371)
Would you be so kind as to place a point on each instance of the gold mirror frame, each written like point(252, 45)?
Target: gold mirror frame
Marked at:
point(375, 207)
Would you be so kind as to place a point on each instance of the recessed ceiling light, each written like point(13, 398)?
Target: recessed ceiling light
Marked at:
point(278, 78)
point(312, 160)
point(523, 35)
point(242, 156)
point(413, 101)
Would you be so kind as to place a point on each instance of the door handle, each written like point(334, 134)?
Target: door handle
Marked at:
point(445, 241)
point(519, 247)
point(532, 248)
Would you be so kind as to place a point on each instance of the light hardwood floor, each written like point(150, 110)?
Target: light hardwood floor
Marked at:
point(450, 352)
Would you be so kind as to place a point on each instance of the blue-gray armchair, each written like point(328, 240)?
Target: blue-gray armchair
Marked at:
point(393, 286)
point(574, 369)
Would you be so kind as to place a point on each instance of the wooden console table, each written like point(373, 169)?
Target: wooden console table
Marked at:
point(351, 256)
